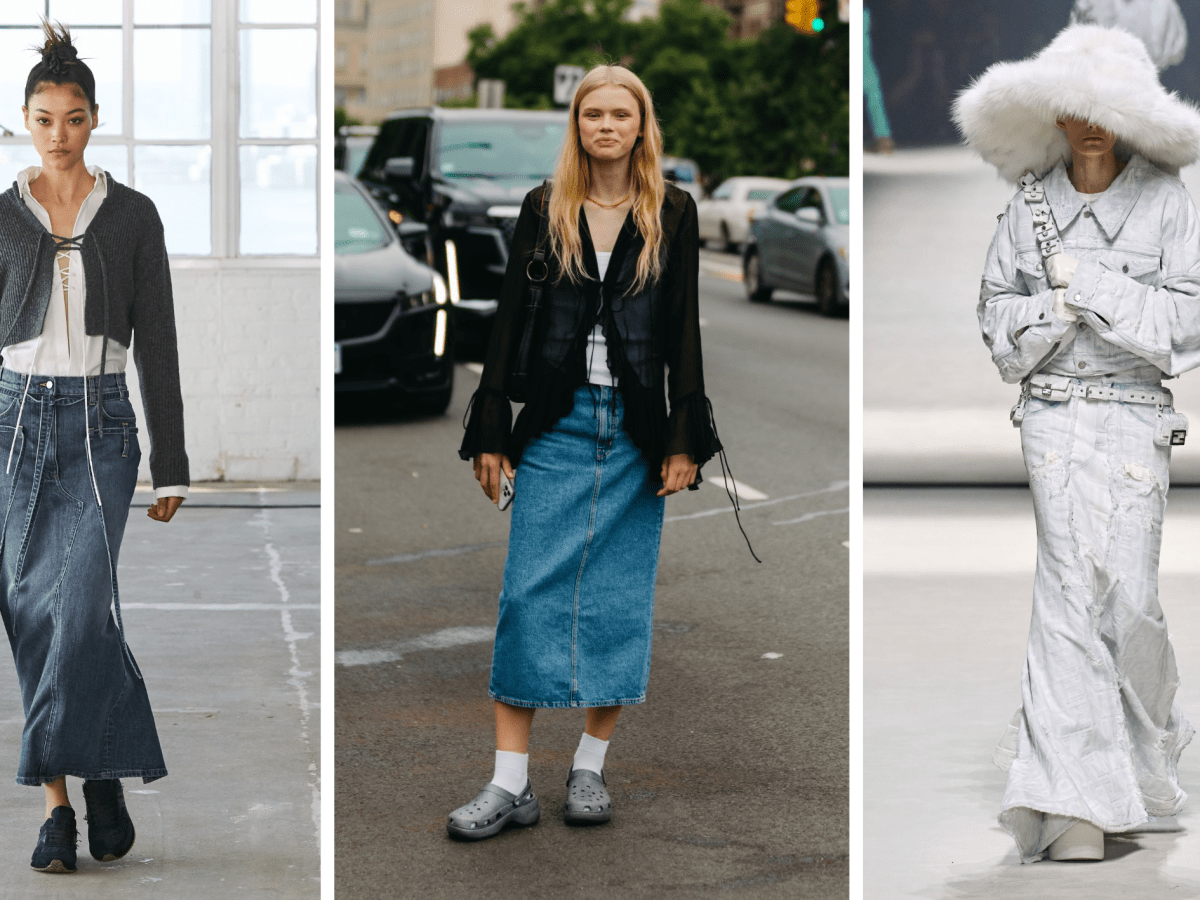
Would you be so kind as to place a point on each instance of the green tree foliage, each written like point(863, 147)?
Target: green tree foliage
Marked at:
point(777, 104)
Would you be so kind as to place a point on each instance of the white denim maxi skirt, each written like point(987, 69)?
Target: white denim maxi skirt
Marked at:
point(1098, 735)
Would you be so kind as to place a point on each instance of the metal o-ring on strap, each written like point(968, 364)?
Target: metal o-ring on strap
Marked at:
point(529, 266)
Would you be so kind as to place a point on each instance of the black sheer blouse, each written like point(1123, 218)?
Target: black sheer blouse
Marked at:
point(643, 330)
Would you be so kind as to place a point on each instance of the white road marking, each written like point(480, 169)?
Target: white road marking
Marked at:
point(744, 491)
point(809, 516)
point(356, 531)
point(475, 367)
point(846, 544)
point(220, 607)
point(446, 551)
point(831, 489)
point(438, 640)
point(772, 655)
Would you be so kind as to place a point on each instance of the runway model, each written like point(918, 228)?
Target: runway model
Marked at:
point(595, 449)
point(1090, 297)
point(83, 267)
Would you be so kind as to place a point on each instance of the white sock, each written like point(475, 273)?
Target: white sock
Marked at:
point(512, 771)
point(590, 754)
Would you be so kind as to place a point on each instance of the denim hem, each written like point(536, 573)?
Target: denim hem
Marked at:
point(564, 704)
point(147, 775)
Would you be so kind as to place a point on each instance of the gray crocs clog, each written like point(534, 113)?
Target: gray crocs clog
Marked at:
point(491, 811)
point(588, 802)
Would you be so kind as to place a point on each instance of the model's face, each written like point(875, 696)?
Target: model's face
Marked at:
point(61, 124)
point(1087, 139)
point(609, 122)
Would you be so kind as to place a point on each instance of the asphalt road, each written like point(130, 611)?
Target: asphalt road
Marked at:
point(732, 778)
point(934, 407)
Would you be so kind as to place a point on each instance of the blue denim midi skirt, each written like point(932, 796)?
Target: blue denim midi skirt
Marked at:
point(87, 713)
point(577, 605)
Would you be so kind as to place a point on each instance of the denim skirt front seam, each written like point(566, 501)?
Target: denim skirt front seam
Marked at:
point(87, 713)
point(1099, 733)
point(577, 604)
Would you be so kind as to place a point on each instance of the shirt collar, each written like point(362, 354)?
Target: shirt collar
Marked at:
point(1111, 208)
point(27, 175)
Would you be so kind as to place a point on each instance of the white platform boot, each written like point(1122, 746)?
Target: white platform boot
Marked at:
point(1081, 841)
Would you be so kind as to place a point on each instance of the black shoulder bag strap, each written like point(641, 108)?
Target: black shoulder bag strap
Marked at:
point(536, 272)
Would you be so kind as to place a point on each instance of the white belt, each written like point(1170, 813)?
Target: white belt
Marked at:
point(1060, 387)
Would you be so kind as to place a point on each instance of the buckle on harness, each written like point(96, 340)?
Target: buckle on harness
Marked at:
point(1178, 436)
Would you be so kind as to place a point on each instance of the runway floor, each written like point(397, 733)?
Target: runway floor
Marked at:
point(948, 575)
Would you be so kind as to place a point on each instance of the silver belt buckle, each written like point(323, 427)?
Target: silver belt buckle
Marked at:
point(1046, 390)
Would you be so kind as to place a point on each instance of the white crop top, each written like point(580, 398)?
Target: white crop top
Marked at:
point(597, 349)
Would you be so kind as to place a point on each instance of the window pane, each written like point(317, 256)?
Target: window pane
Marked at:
point(14, 47)
point(86, 12)
point(172, 12)
point(112, 158)
point(14, 158)
point(21, 12)
point(279, 200)
point(279, 88)
point(179, 181)
point(172, 74)
point(101, 50)
point(273, 12)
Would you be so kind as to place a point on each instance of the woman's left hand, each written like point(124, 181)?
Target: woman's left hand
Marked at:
point(678, 471)
point(163, 508)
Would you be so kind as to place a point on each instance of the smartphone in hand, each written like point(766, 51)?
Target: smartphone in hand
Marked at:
point(507, 492)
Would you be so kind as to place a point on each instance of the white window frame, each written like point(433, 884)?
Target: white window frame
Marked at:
point(224, 139)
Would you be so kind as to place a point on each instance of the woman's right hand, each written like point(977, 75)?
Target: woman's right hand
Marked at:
point(487, 473)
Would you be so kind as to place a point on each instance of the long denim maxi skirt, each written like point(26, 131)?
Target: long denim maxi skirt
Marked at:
point(86, 709)
point(1098, 735)
point(577, 606)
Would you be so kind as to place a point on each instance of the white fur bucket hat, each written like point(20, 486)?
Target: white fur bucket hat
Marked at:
point(1101, 75)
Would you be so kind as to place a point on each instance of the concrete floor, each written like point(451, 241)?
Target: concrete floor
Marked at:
point(948, 575)
point(221, 609)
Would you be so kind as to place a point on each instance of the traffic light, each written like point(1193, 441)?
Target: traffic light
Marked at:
point(805, 16)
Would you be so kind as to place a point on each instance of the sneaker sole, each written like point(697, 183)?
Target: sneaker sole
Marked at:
point(55, 867)
point(522, 815)
point(113, 857)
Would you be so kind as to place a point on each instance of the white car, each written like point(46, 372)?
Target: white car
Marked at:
point(725, 216)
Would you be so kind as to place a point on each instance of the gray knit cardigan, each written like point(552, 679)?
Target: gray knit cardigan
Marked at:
point(128, 291)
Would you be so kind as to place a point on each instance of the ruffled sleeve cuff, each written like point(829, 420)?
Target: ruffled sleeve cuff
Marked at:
point(488, 422)
point(691, 430)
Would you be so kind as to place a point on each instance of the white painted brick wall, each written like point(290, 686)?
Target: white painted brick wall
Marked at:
point(249, 341)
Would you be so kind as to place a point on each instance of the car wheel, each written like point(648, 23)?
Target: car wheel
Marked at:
point(726, 244)
point(827, 287)
point(756, 291)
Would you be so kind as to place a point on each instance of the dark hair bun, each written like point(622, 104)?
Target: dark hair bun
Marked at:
point(58, 52)
point(60, 64)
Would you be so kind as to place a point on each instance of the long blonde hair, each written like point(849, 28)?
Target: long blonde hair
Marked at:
point(572, 181)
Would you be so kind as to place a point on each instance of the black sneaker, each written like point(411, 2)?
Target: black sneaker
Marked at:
point(110, 830)
point(55, 851)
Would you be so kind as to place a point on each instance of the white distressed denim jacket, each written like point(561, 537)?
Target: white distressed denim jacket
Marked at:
point(1137, 286)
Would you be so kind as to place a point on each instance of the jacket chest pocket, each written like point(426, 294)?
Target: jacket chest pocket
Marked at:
point(1033, 271)
point(1140, 266)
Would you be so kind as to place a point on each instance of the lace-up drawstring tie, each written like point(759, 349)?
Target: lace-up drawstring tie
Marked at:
point(727, 475)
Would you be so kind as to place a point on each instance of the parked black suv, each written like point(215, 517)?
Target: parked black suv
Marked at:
point(463, 173)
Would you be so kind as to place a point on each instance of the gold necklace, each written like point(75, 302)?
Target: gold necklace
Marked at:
point(610, 205)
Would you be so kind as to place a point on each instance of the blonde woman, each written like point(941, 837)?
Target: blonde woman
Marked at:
point(595, 445)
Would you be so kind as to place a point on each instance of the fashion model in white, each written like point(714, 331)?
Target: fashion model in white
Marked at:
point(1090, 297)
